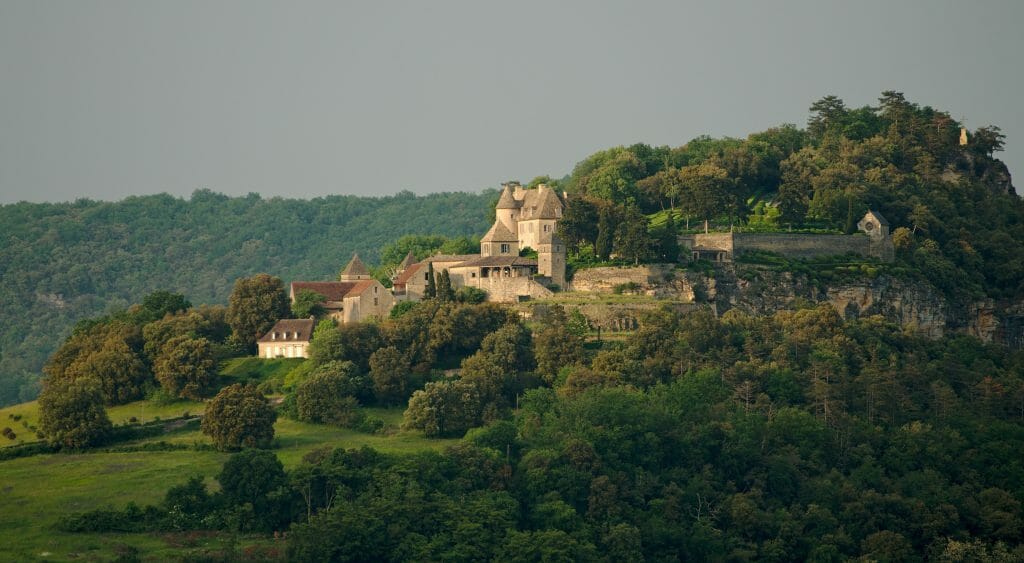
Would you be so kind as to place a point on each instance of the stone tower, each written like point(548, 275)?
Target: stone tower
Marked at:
point(355, 270)
point(876, 227)
point(551, 258)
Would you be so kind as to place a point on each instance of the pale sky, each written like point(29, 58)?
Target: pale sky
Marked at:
point(301, 99)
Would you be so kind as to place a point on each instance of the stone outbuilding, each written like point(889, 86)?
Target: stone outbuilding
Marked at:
point(358, 297)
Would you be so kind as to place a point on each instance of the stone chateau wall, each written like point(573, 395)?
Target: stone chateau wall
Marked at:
point(795, 245)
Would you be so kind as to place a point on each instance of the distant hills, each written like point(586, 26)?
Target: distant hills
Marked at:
point(62, 262)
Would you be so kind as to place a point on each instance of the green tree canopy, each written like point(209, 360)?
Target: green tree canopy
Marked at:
point(71, 415)
point(256, 303)
point(239, 416)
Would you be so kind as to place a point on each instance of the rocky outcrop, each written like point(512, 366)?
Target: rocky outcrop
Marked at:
point(662, 281)
point(917, 307)
point(914, 305)
point(758, 290)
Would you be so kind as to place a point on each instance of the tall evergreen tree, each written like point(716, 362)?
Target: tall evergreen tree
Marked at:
point(445, 292)
point(431, 291)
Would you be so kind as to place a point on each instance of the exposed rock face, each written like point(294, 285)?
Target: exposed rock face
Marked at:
point(662, 281)
point(916, 306)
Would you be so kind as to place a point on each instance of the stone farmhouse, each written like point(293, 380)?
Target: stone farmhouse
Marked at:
point(356, 297)
point(288, 339)
point(525, 219)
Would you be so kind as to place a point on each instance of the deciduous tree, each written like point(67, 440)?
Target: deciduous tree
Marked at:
point(239, 416)
point(72, 416)
point(255, 304)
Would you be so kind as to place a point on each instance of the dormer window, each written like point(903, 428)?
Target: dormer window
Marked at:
point(273, 336)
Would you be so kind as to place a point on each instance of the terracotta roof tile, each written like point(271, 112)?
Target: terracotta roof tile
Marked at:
point(332, 291)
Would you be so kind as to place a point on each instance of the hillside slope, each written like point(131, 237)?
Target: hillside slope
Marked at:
point(60, 263)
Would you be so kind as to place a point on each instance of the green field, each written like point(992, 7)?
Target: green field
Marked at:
point(36, 491)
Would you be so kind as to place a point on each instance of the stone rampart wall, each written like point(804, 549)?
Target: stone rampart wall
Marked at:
point(802, 245)
point(795, 245)
point(510, 290)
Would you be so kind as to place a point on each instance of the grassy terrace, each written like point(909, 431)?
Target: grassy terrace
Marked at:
point(36, 491)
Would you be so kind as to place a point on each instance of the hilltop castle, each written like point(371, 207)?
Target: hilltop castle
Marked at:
point(525, 219)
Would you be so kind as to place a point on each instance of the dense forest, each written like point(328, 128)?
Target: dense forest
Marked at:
point(60, 263)
point(797, 436)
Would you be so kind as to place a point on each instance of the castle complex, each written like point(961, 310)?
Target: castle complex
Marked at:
point(524, 219)
point(527, 220)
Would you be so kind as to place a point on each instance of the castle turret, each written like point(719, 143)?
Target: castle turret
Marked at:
point(551, 258)
point(355, 270)
point(507, 210)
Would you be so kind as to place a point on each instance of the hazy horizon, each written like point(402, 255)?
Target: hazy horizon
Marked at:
point(105, 100)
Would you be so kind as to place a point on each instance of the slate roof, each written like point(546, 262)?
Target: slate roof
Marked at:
point(499, 233)
point(541, 203)
point(355, 267)
point(290, 330)
point(507, 201)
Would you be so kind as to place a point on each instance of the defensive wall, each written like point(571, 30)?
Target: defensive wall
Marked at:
point(723, 247)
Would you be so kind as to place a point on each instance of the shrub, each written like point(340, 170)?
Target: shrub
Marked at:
point(627, 287)
point(8, 433)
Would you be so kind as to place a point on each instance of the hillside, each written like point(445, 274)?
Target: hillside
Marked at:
point(63, 262)
point(140, 471)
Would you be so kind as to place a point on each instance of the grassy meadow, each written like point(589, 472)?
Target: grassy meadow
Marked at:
point(36, 491)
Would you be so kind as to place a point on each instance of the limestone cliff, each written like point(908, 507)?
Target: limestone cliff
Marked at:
point(913, 304)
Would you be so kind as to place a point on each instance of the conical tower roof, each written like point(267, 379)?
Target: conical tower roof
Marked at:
point(506, 201)
point(355, 270)
point(409, 260)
